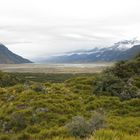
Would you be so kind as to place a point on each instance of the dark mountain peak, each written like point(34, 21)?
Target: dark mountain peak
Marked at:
point(2, 47)
point(8, 57)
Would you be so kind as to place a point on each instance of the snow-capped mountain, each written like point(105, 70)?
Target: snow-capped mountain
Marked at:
point(121, 45)
point(125, 44)
point(118, 51)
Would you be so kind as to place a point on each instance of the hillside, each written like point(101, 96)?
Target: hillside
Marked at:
point(122, 50)
point(122, 80)
point(8, 57)
point(103, 106)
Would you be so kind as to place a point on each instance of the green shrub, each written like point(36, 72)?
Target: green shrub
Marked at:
point(5, 137)
point(113, 135)
point(8, 79)
point(108, 85)
point(33, 129)
point(111, 85)
point(39, 88)
point(23, 136)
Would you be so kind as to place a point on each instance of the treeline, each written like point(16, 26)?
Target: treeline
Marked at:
point(7, 79)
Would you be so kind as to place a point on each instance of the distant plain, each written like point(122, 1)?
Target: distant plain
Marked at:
point(55, 68)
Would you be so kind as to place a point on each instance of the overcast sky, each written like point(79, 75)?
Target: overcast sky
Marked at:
point(34, 28)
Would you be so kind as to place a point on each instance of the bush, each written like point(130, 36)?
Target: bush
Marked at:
point(39, 88)
point(8, 79)
point(97, 121)
point(79, 127)
point(108, 84)
point(111, 85)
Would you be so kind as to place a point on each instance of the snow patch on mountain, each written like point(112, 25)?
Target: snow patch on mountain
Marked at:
point(117, 51)
point(121, 46)
point(125, 44)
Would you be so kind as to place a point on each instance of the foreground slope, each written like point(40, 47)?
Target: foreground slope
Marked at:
point(92, 106)
point(8, 57)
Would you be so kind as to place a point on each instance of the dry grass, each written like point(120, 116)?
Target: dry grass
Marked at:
point(106, 135)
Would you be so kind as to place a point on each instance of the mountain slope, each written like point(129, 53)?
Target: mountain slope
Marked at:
point(8, 57)
point(122, 50)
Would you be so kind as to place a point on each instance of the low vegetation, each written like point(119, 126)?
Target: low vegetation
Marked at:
point(123, 80)
point(104, 106)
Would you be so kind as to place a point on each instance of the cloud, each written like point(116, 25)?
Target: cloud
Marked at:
point(41, 27)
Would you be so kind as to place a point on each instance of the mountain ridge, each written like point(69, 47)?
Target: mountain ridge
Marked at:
point(122, 50)
point(8, 57)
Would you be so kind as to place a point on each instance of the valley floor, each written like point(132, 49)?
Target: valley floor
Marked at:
point(55, 68)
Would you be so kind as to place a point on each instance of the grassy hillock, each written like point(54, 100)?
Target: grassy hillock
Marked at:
point(93, 107)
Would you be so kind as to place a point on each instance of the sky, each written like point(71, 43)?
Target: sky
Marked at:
point(40, 28)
